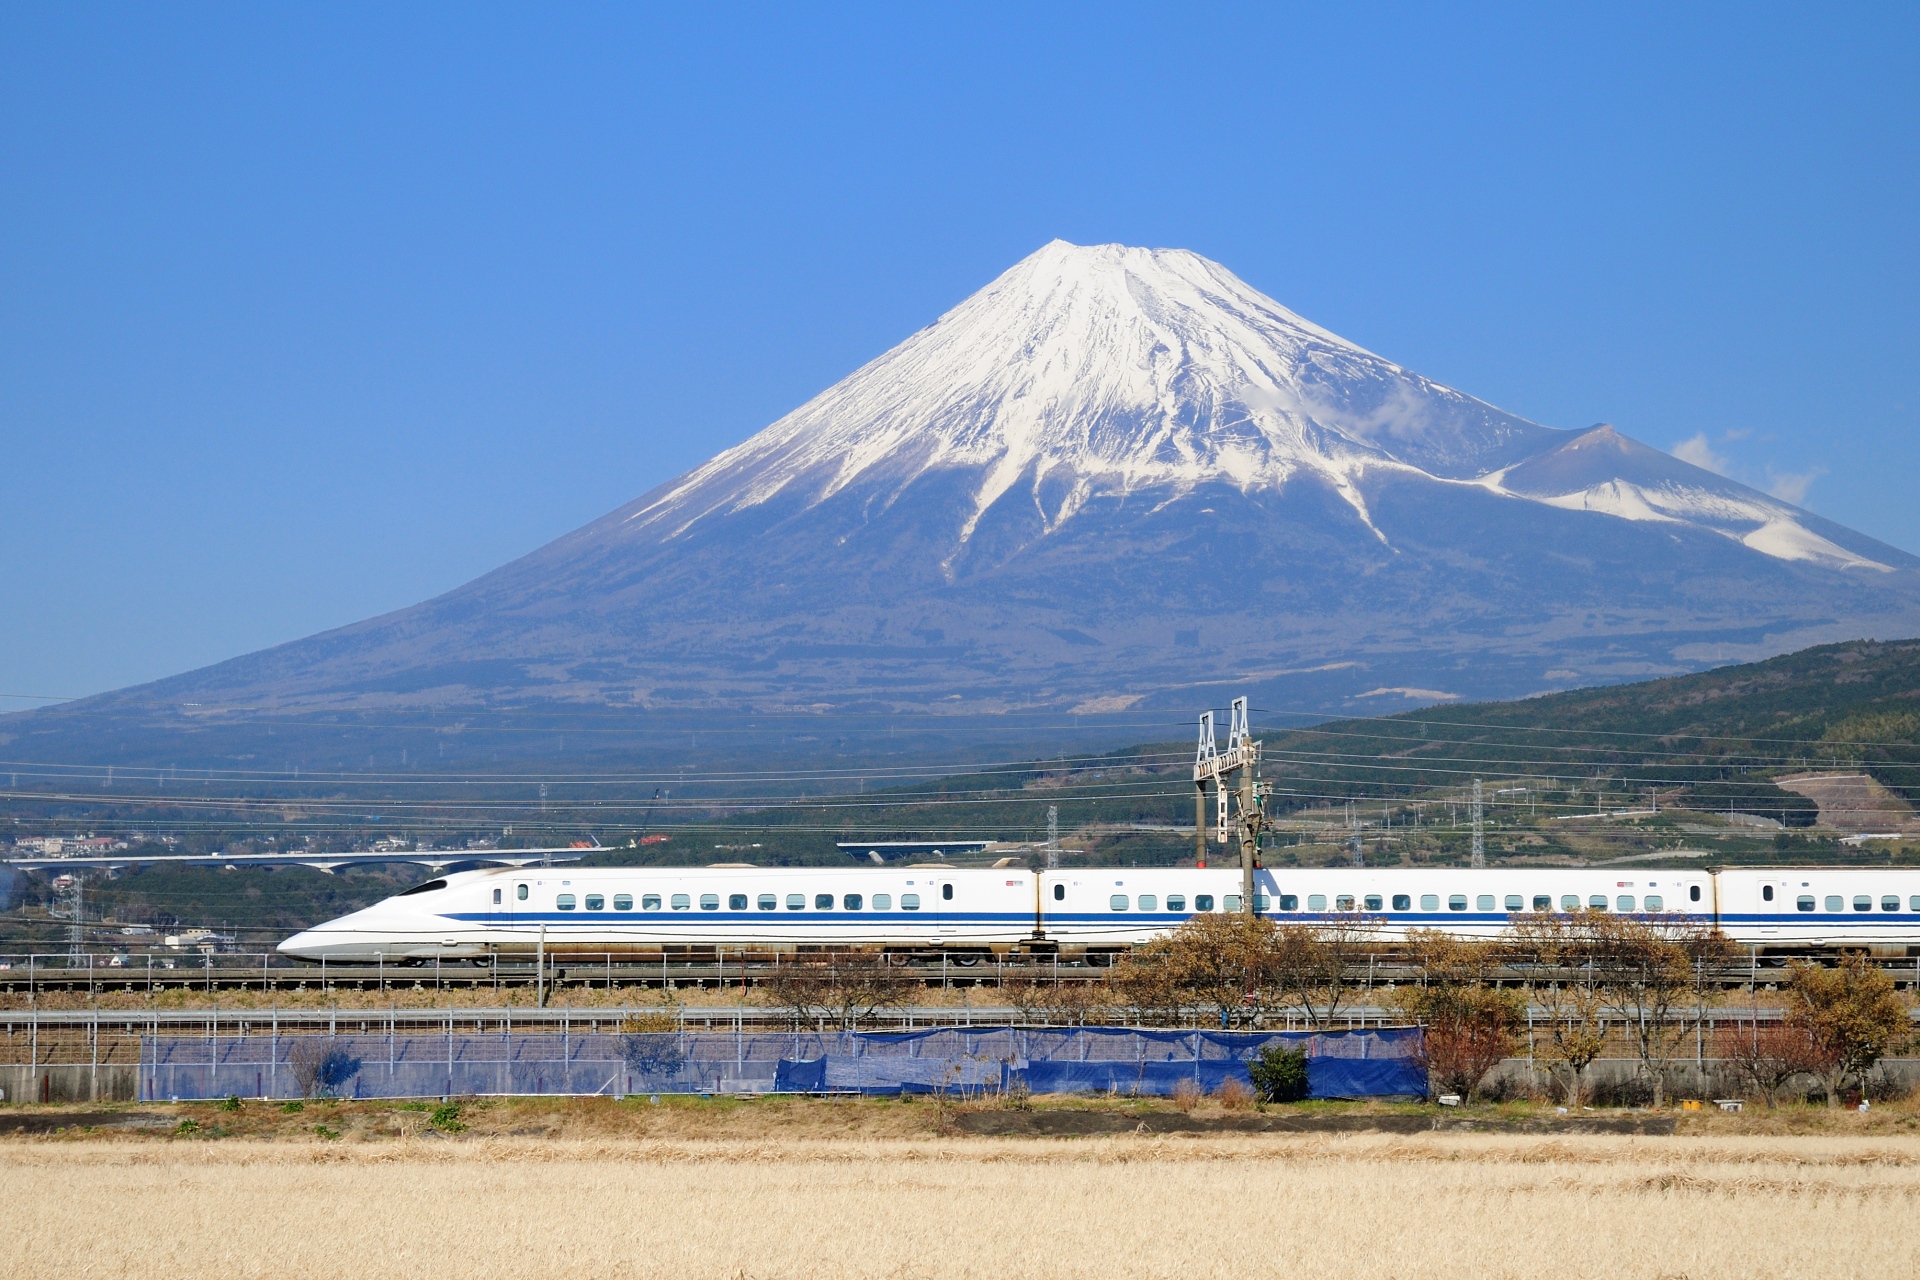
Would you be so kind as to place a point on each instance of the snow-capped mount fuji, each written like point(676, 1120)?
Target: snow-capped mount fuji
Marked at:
point(1115, 477)
point(1108, 372)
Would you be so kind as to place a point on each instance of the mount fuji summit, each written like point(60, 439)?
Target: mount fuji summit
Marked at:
point(1114, 478)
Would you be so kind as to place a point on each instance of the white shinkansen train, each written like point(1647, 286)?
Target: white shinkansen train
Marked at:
point(971, 913)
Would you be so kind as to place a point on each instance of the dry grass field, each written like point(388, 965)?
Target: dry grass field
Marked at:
point(1365, 1206)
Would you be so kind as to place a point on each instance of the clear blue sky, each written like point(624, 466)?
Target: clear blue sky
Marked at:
point(310, 313)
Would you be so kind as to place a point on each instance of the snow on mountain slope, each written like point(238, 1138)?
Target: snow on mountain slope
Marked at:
point(1105, 371)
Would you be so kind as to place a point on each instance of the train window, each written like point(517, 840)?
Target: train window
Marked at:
point(1569, 902)
point(1655, 902)
point(1542, 902)
point(496, 897)
point(1483, 902)
point(1261, 902)
point(1429, 902)
point(1624, 902)
point(946, 891)
point(1766, 893)
point(1836, 903)
point(650, 902)
point(1863, 902)
point(1597, 902)
point(823, 902)
point(1233, 902)
point(1149, 902)
point(1343, 903)
point(1315, 902)
point(623, 902)
point(1118, 902)
point(736, 902)
point(1059, 893)
point(520, 892)
point(1401, 902)
point(596, 903)
point(1203, 902)
point(883, 902)
point(1913, 903)
point(1176, 902)
point(1288, 901)
point(428, 887)
point(768, 902)
point(1515, 902)
point(1693, 892)
point(1374, 902)
point(1889, 904)
point(850, 902)
point(680, 902)
point(796, 902)
point(1456, 902)
point(1804, 902)
point(709, 902)
point(564, 902)
point(909, 902)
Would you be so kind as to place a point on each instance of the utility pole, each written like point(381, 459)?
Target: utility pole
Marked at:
point(1241, 757)
point(1053, 837)
point(1479, 828)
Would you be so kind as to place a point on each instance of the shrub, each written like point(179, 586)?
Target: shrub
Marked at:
point(1186, 1095)
point(1233, 1095)
point(446, 1118)
point(232, 1103)
point(1279, 1073)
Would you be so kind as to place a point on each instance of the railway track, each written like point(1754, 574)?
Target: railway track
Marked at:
point(269, 974)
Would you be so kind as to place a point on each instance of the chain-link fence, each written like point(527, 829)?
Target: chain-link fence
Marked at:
point(1361, 1063)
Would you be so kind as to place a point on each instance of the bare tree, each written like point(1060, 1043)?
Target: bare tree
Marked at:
point(1573, 1032)
point(1318, 966)
point(1769, 1057)
point(320, 1065)
point(1648, 969)
point(840, 988)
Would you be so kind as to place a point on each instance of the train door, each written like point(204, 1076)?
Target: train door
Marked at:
point(1773, 902)
point(945, 910)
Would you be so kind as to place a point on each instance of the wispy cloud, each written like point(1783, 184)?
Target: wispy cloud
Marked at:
point(1705, 451)
point(1699, 451)
point(1792, 486)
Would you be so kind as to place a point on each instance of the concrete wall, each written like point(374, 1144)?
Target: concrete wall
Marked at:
point(69, 1084)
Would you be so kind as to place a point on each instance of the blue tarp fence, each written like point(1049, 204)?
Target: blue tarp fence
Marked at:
point(1375, 1062)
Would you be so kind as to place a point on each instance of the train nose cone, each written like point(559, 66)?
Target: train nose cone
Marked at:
point(302, 946)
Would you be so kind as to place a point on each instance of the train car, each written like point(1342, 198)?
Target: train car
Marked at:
point(650, 910)
point(1096, 913)
point(1115, 909)
point(1788, 910)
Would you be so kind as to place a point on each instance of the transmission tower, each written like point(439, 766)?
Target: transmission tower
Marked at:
point(76, 896)
point(1353, 838)
point(1479, 828)
point(1053, 837)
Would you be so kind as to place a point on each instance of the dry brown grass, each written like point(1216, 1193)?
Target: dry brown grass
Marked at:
point(1373, 1206)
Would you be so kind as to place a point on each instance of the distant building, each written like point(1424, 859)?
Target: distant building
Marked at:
point(881, 851)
